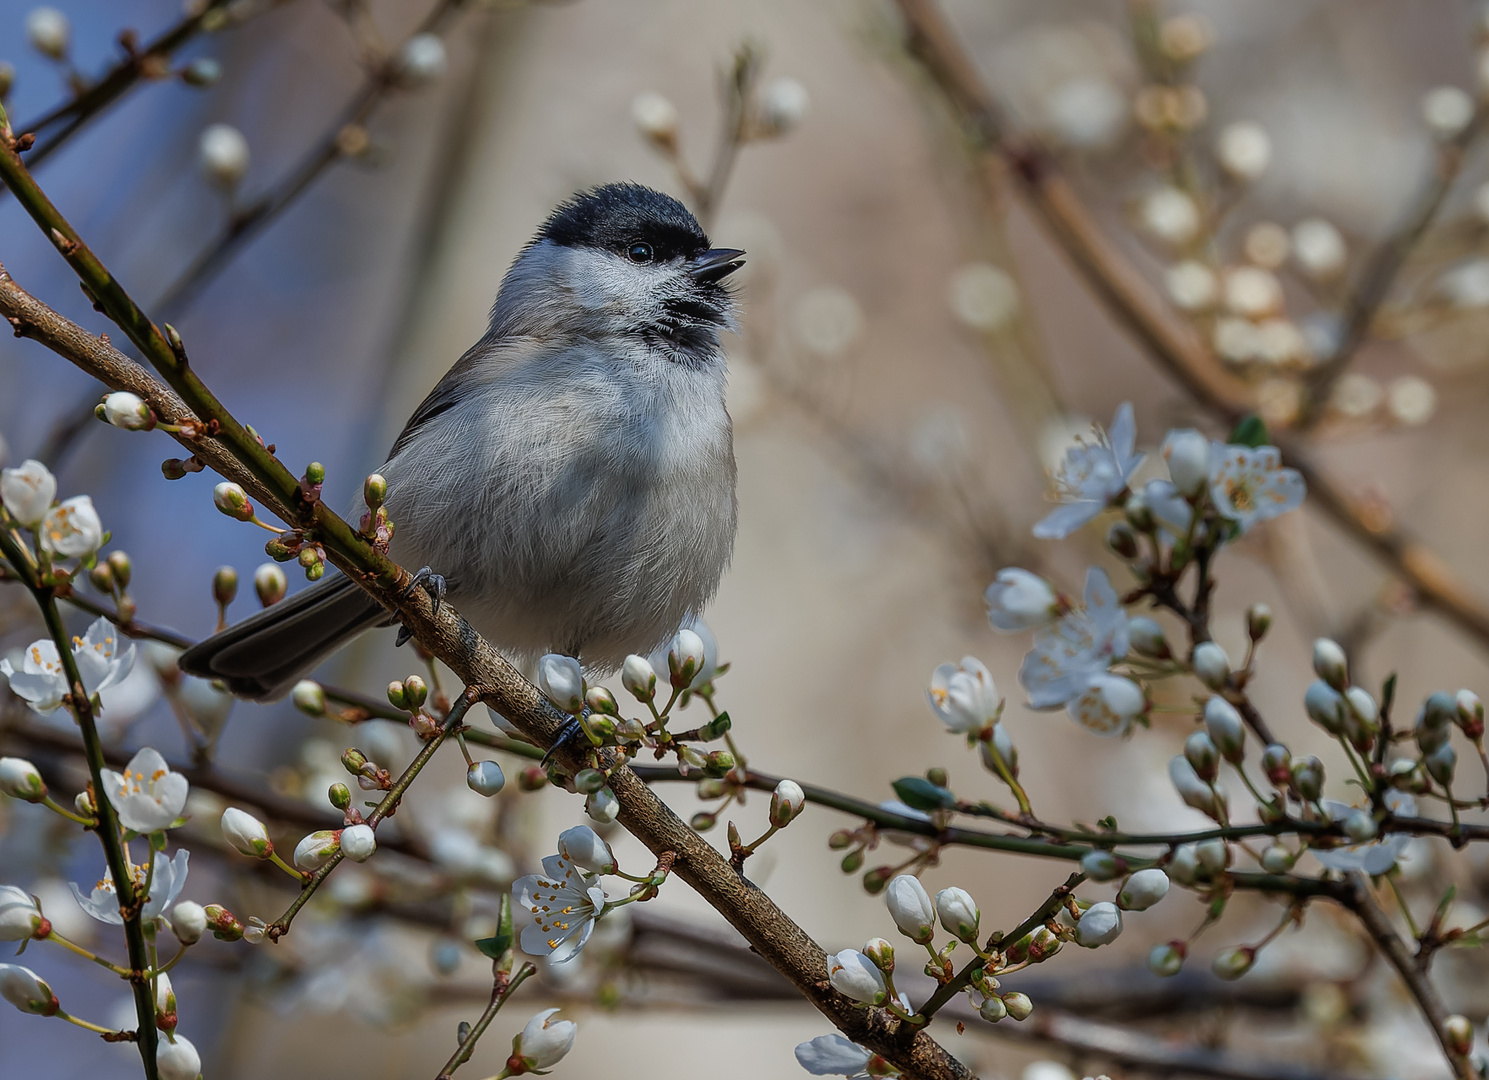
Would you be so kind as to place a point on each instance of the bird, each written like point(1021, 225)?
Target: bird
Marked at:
point(569, 484)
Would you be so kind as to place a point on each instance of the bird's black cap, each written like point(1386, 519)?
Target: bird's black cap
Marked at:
point(616, 216)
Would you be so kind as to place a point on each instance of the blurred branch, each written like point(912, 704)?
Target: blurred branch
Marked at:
point(1384, 265)
point(1129, 300)
point(150, 62)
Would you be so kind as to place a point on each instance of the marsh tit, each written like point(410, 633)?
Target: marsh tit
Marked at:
point(571, 478)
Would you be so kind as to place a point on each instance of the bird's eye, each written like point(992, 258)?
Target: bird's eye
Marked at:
point(640, 253)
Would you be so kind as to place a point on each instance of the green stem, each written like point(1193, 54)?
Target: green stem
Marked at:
point(52, 805)
point(72, 946)
point(298, 875)
point(1401, 903)
point(60, 1015)
point(500, 992)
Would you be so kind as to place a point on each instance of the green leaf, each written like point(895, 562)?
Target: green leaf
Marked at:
point(1251, 431)
point(715, 728)
point(498, 944)
point(918, 793)
point(1388, 693)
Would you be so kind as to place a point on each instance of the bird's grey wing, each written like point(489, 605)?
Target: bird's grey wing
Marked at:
point(449, 391)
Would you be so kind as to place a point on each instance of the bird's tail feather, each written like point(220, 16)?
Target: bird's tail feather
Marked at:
point(263, 656)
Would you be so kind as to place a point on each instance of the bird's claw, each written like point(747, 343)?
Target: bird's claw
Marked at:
point(565, 736)
point(433, 584)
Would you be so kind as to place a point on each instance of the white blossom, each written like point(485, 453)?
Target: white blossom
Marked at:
point(910, 907)
point(1086, 112)
point(42, 681)
point(72, 529)
point(855, 976)
point(964, 696)
point(1319, 248)
point(177, 1059)
point(358, 842)
point(1018, 600)
point(1251, 485)
point(49, 32)
point(19, 915)
point(1170, 216)
point(654, 116)
point(147, 795)
point(1092, 475)
point(585, 848)
point(984, 297)
point(562, 682)
point(1108, 705)
point(1375, 856)
point(958, 913)
point(422, 60)
point(167, 881)
point(1244, 150)
point(565, 903)
point(1143, 889)
point(782, 105)
point(1252, 292)
point(27, 492)
point(26, 990)
point(223, 154)
point(1411, 400)
point(1192, 285)
point(1081, 644)
point(1098, 925)
point(544, 1041)
point(834, 1055)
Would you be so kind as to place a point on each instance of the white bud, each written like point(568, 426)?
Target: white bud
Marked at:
point(232, 500)
point(543, 1041)
point(269, 584)
point(1252, 292)
point(49, 32)
point(685, 658)
point(1244, 150)
point(638, 677)
point(1192, 285)
point(1018, 600)
point(783, 103)
point(165, 1002)
point(1213, 855)
point(1447, 111)
point(786, 802)
point(246, 833)
point(27, 492)
point(177, 1060)
point(1187, 453)
point(316, 850)
point(309, 697)
point(1441, 763)
point(1146, 637)
point(984, 297)
point(1276, 859)
point(1100, 866)
point(1319, 249)
point(1330, 663)
point(911, 909)
point(1099, 925)
point(358, 842)
point(1226, 728)
point(602, 806)
point(422, 60)
point(485, 778)
point(1359, 826)
point(855, 976)
point(188, 922)
point(958, 913)
point(1325, 706)
point(1184, 866)
point(1170, 216)
point(222, 153)
point(19, 915)
point(562, 682)
point(1166, 959)
point(1211, 665)
point(655, 117)
point(587, 849)
point(1194, 791)
point(1143, 889)
point(27, 990)
point(21, 780)
point(127, 411)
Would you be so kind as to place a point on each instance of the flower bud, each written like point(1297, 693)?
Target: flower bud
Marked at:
point(1359, 826)
point(1277, 764)
point(589, 781)
point(656, 118)
point(224, 586)
point(852, 861)
point(1459, 1031)
point(177, 1060)
point(685, 658)
point(638, 677)
point(875, 880)
point(782, 104)
point(992, 1010)
point(1102, 866)
point(911, 909)
point(1211, 665)
point(1187, 453)
point(881, 953)
point(485, 778)
point(315, 850)
point(1233, 963)
point(1276, 859)
point(602, 701)
point(165, 1004)
point(1258, 621)
point(49, 32)
point(602, 806)
point(587, 850)
point(21, 780)
point(223, 923)
point(1183, 866)
point(703, 821)
point(532, 778)
point(1226, 729)
point(415, 693)
point(1325, 706)
point(958, 913)
point(856, 977)
point(1146, 638)
point(1167, 959)
point(1441, 763)
point(999, 748)
point(358, 842)
point(1122, 540)
point(27, 991)
point(1200, 751)
point(786, 802)
point(270, 584)
point(246, 833)
point(1470, 714)
point(718, 762)
point(188, 922)
point(1139, 513)
point(353, 761)
point(127, 411)
point(1308, 775)
point(1043, 944)
point(309, 697)
point(1018, 1005)
point(232, 501)
point(1099, 925)
point(1193, 790)
point(20, 918)
point(1018, 600)
point(1330, 663)
point(1213, 855)
point(1143, 889)
point(102, 578)
point(562, 682)
point(1363, 713)
point(202, 72)
point(1438, 712)
point(422, 60)
point(82, 802)
point(222, 153)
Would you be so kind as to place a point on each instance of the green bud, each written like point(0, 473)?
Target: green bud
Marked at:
point(937, 775)
point(102, 578)
point(119, 563)
point(374, 491)
point(414, 692)
point(601, 701)
point(396, 696)
point(703, 821)
point(876, 879)
point(204, 71)
point(589, 781)
point(315, 473)
point(532, 778)
point(309, 698)
point(1258, 621)
point(1233, 963)
point(718, 762)
point(852, 861)
point(711, 787)
point(224, 585)
point(340, 796)
point(353, 760)
point(838, 840)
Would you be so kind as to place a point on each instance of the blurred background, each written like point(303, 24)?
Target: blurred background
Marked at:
point(914, 353)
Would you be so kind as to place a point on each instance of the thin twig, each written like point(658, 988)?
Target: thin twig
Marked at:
point(501, 990)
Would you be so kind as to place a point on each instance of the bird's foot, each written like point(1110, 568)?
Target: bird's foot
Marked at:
point(433, 584)
point(566, 735)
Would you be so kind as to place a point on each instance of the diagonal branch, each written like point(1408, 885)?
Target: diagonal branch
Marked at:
point(1136, 307)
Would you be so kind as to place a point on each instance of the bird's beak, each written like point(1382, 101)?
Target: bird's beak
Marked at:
point(715, 265)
